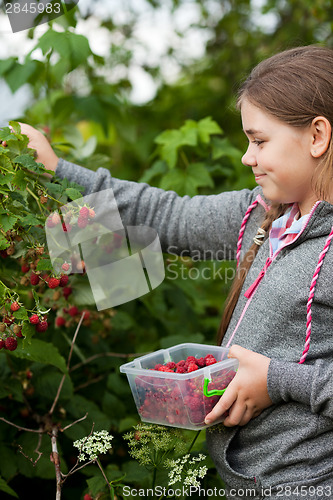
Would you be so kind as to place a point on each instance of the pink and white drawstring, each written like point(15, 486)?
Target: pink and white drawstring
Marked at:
point(311, 297)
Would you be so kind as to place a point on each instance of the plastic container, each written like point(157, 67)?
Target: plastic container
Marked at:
point(179, 399)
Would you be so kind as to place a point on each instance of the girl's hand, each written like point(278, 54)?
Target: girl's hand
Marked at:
point(246, 395)
point(39, 142)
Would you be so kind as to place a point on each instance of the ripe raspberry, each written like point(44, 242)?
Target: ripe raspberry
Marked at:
point(82, 222)
point(8, 320)
point(210, 361)
point(53, 282)
point(60, 321)
point(63, 280)
point(201, 362)
point(15, 306)
point(11, 343)
point(87, 497)
point(42, 326)
point(84, 212)
point(2, 344)
point(25, 268)
point(34, 319)
point(65, 266)
point(192, 367)
point(158, 366)
point(171, 365)
point(180, 369)
point(67, 291)
point(165, 369)
point(34, 279)
point(73, 311)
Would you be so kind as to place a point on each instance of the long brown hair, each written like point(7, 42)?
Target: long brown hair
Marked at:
point(293, 86)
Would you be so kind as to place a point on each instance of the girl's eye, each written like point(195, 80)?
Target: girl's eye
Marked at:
point(257, 142)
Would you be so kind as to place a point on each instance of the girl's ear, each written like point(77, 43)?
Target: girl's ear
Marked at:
point(321, 132)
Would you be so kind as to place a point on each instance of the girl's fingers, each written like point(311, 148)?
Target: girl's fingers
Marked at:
point(223, 405)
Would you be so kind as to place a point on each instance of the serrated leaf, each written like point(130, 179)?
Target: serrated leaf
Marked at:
point(42, 352)
point(31, 220)
point(4, 243)
point(28, 331)
point(21, 314)
point(73, 194)
point(7, 222)
point(207, 127)
point(19, 74)
point(20, 180)
point(7, 178)
point(29, 163)
point(186, 182)
point(171, 140)
point(222, 147)
point(44, 265)
point(6, 489)
point(158, 168)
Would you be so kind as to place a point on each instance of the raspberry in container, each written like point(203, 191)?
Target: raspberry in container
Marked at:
point(180, 385)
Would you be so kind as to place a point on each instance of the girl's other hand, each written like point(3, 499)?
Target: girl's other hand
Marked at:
point(246, 395)
point(39, 142)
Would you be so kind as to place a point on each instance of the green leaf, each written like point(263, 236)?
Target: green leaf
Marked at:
point(206, 128)
point(96, 484)
point(19, 74)
point(5, 488)
point(4, 243)
point(158, 168)
point(187, 181)
point(41, 351)
point(31, 220)
point(7, 222)
point(7, 178)
point(20, 180)
point(73, 194)
point(21, 314)
point(44, 265)
point(222, 147)
point(171, 140)
point(28, 331)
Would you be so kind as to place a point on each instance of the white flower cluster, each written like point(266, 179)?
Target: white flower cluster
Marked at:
point(182, 472)
point(92, 446)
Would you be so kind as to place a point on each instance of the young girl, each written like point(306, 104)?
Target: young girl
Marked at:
point(277, 441)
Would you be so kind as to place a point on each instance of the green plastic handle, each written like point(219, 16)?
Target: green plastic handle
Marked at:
point(214, 392)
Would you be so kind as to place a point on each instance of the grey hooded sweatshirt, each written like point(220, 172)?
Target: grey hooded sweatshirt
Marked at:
point(287, 451)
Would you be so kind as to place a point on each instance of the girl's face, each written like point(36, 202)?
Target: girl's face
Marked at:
point(280, 157)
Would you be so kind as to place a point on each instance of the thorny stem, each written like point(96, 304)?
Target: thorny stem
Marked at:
point(68, 363)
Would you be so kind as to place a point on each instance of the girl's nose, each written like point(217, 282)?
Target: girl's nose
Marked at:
point(249, 159)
